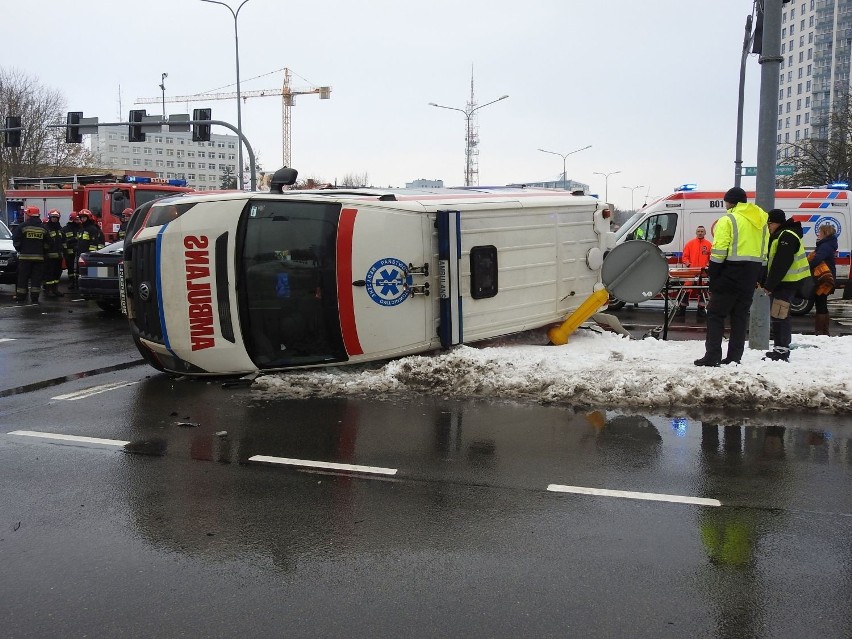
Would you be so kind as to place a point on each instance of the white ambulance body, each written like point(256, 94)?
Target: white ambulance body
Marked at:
point(235, 283)
point(670, 222)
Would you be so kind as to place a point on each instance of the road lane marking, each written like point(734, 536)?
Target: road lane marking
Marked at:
point(308, 463)
point(71, 439)
point(626, 494)
point(94, 390)
point(7, 339)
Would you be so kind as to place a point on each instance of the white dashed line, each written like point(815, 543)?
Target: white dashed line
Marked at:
point(6, 339)
point(626, 494)
point(94, 390)
point(69, 439)
point(307, 463)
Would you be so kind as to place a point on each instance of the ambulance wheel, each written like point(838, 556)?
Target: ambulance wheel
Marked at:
point(800, 306)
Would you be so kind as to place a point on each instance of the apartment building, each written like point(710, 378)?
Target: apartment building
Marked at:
point(816, 44)
point(170, 155)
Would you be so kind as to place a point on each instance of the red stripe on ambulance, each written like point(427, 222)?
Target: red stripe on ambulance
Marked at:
point(345, 302)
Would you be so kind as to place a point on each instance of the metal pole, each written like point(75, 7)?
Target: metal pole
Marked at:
point(767, 146)
point(467, 115)
point(163, 77)
point(240, 177)
point(738, 160)
point(564, 156)
point(467, 175)
point(606, 182)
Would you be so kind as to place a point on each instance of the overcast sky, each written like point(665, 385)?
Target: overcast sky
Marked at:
point(652, 86)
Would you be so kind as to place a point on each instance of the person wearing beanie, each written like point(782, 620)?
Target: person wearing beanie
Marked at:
point(786, 269)
point(737, 258)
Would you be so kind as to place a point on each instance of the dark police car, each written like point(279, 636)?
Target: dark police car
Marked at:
point(98, 273)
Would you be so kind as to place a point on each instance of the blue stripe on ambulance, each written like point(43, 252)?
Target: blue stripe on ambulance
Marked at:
point(160, 304)
point(449, 254)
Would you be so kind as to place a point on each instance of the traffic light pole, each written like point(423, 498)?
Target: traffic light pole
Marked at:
point(161, 123)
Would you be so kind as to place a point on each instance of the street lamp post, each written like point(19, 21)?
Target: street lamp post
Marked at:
point(632, 190)
point(163, 77)
point(563, 156)
point(239, 101)
point(468, 147)
point(606, 182)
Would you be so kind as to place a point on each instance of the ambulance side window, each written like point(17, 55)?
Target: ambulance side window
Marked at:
point(660, 229)
point(483, 272)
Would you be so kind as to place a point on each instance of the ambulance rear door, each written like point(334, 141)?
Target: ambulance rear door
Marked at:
point(385, 303)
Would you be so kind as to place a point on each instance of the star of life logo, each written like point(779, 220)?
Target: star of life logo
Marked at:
point(388, 282)
point(828, 220)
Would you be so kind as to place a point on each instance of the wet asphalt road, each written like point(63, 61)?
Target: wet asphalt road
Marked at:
point(180, 533)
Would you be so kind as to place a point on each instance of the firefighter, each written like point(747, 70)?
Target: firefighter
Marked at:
point(89, 236)
point(125, 219)
point(69, 233)
point(53, 260)
point(32, 242)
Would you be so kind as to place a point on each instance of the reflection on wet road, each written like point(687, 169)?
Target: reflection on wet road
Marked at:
point(463, 538)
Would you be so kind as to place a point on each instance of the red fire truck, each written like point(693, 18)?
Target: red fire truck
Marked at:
point(106, 196)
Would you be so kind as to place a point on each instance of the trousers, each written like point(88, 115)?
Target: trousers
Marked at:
point(723, 304)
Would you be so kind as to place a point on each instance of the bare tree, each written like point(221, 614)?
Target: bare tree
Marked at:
point(823, 159)
point(354, 180)
point(43, 151)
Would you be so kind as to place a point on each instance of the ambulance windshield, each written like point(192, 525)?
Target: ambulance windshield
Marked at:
point(287, 283)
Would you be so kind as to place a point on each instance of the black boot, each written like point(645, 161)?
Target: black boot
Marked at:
point(778, 354)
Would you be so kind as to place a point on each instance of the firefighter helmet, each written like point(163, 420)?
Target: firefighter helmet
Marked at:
point(73, 217)
point(127, 212)
point(32, 211)
point(85, 212)
point(53, 212)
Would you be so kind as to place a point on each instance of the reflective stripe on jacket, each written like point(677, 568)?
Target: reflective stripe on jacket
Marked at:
point(741, 235)
point(800, 268)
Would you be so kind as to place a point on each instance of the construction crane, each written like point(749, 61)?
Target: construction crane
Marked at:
point(288, 96)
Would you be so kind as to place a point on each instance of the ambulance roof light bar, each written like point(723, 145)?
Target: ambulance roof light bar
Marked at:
point(686, 187)
point(838, 186)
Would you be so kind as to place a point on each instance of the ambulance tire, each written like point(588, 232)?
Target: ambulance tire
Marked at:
point(800, 305)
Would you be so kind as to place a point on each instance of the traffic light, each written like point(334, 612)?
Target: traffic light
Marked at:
point(135, 133)
point(201, 132)
point(13, 138)
point(72, 132)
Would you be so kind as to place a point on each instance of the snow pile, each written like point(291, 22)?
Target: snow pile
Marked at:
point(599, 370)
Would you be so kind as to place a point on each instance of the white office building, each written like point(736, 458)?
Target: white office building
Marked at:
point(170, 156)
point(816, 46)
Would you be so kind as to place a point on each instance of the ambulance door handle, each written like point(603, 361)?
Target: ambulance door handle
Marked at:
point(359, 283)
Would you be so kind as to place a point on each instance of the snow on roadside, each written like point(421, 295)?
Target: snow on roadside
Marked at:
point(599, 370)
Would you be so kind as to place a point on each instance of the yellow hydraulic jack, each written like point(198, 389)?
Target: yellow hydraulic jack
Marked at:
point(559, 334)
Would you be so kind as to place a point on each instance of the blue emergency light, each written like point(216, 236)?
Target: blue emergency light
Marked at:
point(839, 186)
point(137, 179)
point(177, 182)
point(686, 187)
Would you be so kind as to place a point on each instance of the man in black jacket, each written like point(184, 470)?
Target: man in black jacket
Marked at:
point(32, 243)
point(786, 269)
